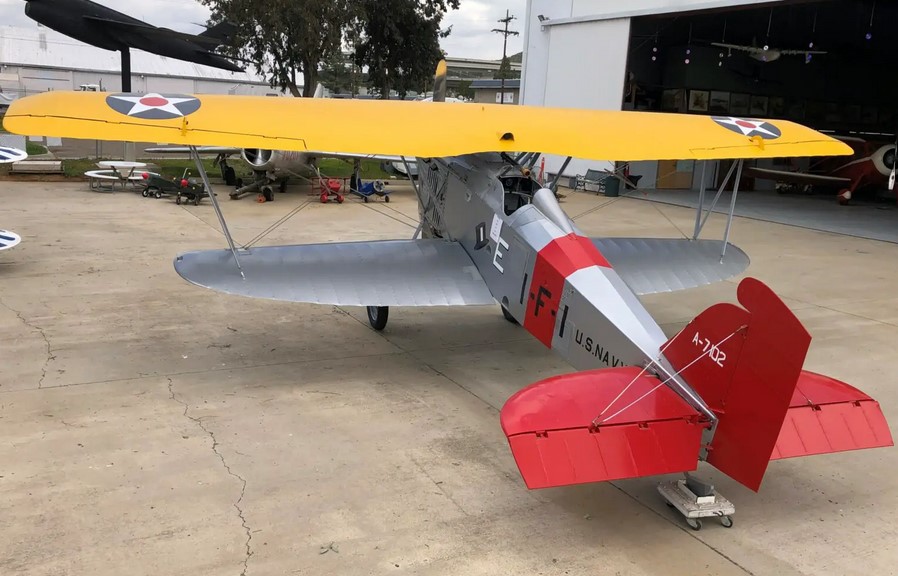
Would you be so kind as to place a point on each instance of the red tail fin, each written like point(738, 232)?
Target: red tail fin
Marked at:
point(748, 376)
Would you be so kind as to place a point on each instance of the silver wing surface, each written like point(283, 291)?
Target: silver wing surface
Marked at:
point(652, 265)
point(381, 273)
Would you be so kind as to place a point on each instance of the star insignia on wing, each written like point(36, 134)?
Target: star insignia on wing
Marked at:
point(749, 127)
point(153, 106)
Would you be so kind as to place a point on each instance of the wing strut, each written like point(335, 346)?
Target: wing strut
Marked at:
point(701, 215)
point(224, 226)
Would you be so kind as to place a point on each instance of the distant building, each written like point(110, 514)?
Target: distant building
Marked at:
point(36, 59)
point(490, 91)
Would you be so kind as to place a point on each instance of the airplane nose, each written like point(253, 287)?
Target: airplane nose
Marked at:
point(889, 158)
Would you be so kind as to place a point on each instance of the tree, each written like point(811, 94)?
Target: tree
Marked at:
point(284, 38)
point(398, 40)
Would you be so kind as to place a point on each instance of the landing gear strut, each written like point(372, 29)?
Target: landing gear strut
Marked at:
point(377, 316)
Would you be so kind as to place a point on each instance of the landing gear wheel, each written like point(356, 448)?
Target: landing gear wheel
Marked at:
point(229, 176)
point(339, 198)
point(365, 198)
point(239, 183)
point(268, 193)
point(158, 194)
point(508, 315)
point(178, 199)
point(324, 198)
point(377, 316)
point(726, 521)
point(145, 193)
point(386, 198)
point(694, 523)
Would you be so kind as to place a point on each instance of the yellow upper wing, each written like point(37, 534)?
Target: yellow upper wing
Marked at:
point(424, 129)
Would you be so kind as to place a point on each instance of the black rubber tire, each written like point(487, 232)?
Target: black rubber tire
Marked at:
point(229, 176)
point(386, 198)
point(158, 194)
point(145, 193)
point(378, 316)
point(365, 198)
point(268, 193)
point(508, 315)
point(238, 184)
point(178, 199)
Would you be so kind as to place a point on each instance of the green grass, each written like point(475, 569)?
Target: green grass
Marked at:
point(171, 167)
point(167, 167)
point(371, 169)
point(34, 149)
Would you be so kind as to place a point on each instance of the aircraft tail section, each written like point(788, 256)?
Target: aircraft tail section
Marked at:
point(746, 364)
point(223, 31)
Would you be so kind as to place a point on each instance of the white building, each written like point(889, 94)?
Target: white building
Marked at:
point(37, 59)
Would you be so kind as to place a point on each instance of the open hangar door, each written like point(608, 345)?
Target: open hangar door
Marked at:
point(827, 64)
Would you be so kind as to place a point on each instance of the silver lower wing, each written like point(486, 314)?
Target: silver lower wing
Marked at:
point(651, 265)
point(380, 273)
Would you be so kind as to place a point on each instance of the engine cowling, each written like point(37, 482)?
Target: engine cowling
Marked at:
point(884, 159)
point(259, 159)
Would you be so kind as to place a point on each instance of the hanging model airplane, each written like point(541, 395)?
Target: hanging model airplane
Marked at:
point(767, 53)
point(109, 29)
point(8, 155)
point(729, 388)
point(870, 165)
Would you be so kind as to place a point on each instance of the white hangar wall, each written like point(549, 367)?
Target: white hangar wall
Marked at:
point(575, 54)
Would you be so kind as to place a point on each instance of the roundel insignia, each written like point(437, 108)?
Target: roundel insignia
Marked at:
point(153, 106)
point(8, 155)
point(749, 127)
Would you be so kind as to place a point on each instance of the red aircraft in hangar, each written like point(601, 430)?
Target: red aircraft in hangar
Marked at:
point(871, 166)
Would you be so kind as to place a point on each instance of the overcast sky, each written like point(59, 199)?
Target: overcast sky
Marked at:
point(471, 24)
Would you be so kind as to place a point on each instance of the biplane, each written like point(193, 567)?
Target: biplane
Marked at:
point(8, 155)
point(729, 388)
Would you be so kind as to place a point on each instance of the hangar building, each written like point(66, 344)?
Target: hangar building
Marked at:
point(661, 55)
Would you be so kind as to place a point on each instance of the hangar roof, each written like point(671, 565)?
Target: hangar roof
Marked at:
point(44, 48)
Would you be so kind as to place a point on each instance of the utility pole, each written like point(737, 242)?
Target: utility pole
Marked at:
point(505, 33)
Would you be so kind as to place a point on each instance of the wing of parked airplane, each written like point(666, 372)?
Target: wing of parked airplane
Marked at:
point(394, 127)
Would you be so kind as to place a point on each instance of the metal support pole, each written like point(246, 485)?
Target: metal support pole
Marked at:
point(701, 202)
point(224, 226)
point(726, 233)
point(558, 175)
point(714, 201)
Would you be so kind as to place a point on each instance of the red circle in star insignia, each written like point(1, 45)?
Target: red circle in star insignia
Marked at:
point(749, 127)
point(153, 101)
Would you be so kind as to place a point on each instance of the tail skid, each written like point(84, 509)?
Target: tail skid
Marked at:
point(744, 362)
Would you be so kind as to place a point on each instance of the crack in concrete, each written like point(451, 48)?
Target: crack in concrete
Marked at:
point(227, 467)
point(35, 327)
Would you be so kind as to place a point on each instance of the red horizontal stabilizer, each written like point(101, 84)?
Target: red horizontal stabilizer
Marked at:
point(827, 415)
point(557, 439)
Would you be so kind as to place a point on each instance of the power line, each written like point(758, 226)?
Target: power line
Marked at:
point(505, 33)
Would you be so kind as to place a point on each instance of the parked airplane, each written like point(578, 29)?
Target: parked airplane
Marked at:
point(766, 53)
point(870, 165)
point(8, 155)
point(109, 29)
point(728, 389)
